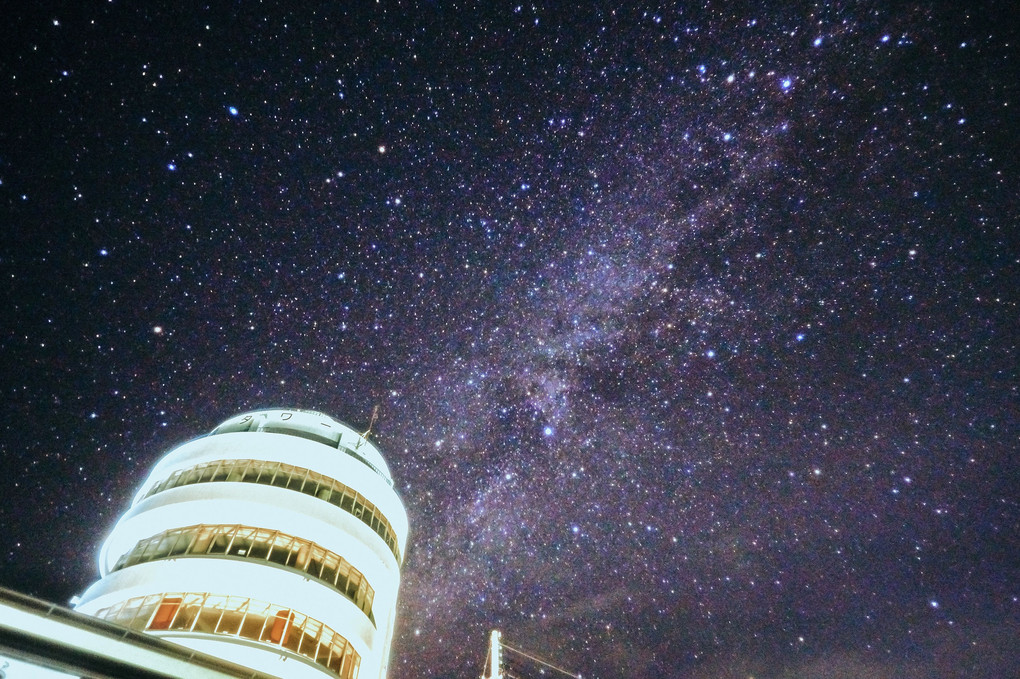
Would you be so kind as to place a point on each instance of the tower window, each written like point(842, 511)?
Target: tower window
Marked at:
point(165, 613)
point(257, 544)
point(289, 477)
point(241, 617)
point(280, 630)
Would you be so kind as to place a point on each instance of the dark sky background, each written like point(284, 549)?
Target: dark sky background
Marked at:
point(693, 327)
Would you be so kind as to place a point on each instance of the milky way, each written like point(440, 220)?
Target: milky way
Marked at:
point(693, 329)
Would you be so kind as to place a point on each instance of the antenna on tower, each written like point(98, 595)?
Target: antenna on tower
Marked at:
point(494, 661)
point(371, 423)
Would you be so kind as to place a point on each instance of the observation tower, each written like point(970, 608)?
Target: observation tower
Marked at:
point(274, 542)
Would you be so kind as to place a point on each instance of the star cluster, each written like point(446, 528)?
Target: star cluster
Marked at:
point(693, 328)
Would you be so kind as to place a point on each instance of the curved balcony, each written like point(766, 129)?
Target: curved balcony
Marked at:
point(190, 613)
point(271, 547)
point(283, 475)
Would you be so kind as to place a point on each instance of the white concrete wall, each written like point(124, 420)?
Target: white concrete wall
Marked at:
point(246, 579)
point(272, 508)
point(291, 450)
point(259, 506)
point(251, 655)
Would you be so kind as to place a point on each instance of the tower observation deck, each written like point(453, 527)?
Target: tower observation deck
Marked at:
point(274, 542)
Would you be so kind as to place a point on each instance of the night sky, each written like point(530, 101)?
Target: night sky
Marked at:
point(693, 327)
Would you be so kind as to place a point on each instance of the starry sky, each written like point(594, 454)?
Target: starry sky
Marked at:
point(693, 326)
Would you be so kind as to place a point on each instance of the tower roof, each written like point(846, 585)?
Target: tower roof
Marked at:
point(309, 424)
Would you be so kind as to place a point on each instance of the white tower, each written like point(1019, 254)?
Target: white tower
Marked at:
point(274, 542)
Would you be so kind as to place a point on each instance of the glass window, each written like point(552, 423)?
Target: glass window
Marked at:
point(259, 550)
point(219, 544)
point(322, 652)
point(185, 617)
point(310, 638)
point(292, 637)
point(162, 546)
point(208, 618)
point(183, 544)
point(336, 659)
point(149, 550)
point(266, 473)
point(251, 473)
point(165, 613)
point(369, 600)
point(129, 559)
point(279, 631)
point(250, 619)
point(293, 478)
point(133, 609)
point(299, 557)
point(328, 574)
point(200, 544)
point(296, 481)
point(230, 622)
point(253, 626)
point(264, 545)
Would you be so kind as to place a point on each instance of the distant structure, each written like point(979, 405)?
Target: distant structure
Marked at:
point(274, 543)
point(525, 665)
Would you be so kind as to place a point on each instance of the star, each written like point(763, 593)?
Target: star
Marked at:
point(688, 336)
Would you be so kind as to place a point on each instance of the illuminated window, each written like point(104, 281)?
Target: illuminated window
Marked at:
point(258, 544)
point(280, 631)
point(290, 477)
point(241, 617)
point(164, 615)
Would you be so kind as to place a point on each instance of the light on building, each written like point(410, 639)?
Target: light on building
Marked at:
point(274, 542)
